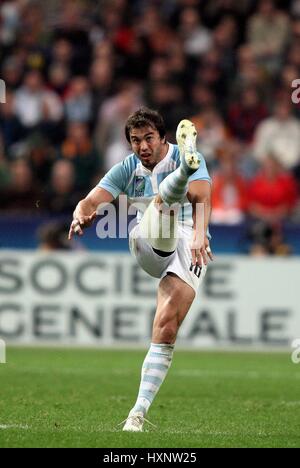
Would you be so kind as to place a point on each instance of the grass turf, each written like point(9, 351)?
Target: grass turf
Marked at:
point(76, 398)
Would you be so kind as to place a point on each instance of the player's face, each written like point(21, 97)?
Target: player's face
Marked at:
point(147, 144)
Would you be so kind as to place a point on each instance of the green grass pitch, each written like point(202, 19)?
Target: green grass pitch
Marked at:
point(76, 398)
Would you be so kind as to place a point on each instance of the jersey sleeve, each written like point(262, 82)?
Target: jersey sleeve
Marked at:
point(202, 172)
point(115, 180)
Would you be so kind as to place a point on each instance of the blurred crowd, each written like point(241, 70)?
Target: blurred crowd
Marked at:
point(74, 71)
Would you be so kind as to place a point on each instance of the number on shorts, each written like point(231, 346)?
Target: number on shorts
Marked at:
point(197, 269)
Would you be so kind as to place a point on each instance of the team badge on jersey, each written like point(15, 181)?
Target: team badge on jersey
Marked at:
point(139, 186)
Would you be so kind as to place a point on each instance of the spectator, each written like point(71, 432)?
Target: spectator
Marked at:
point(212, 132)
point(245, 114)
point(53, 236)
point(78, 103)
point(159, 69)
point(41, 154)
point(279, 135)
point(111, 141)
point(21, 195)
point(293, 55)
point(248, 74)
point(202, 98)
point(157, 34)
point(62, 53)
point(167, 96)
point(178, 64)
point(62, 195)
point(197, 39)
point(268, 33)
point(272, 193)
point(78, 148)
point(101, 80)
point(58, 79)
point(267, 240)
point(10, 13)
point(12, 72)
point(10, 125)
point(225, 36)
point(229, 197)
point(35, 104)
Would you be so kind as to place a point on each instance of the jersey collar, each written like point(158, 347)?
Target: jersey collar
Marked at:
point(165, 160)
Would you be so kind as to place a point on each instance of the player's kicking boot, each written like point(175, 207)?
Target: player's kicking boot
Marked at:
point(186, 136)
point(134, 422)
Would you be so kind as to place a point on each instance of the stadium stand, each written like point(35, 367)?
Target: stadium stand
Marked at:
point(75, 70)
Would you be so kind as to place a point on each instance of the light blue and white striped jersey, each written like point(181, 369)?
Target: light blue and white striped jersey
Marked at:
point(141, 184)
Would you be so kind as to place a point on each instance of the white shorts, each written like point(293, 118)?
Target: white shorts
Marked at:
point(179, 262)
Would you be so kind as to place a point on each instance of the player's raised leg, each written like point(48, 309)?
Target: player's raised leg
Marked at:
point(175, 186)
point(159, 223)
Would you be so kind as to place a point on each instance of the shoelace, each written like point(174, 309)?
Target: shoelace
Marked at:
point(137, 417)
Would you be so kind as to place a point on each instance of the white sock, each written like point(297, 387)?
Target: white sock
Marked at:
point(155, 367)
point(174, 187)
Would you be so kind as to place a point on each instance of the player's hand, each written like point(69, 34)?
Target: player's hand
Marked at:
point(201, 251)
point(80, 223)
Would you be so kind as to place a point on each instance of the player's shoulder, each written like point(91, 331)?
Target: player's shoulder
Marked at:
point(130, 162)
point(175, 153)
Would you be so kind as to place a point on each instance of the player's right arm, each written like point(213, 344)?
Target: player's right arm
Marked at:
point(110, 186)
point(86, 210)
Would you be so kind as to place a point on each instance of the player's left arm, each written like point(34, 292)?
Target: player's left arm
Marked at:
point(199, 194)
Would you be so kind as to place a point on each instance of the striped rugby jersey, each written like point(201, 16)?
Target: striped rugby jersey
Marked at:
point(141, 184)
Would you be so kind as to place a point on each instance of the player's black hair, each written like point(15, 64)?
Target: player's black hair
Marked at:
point(145, 117)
